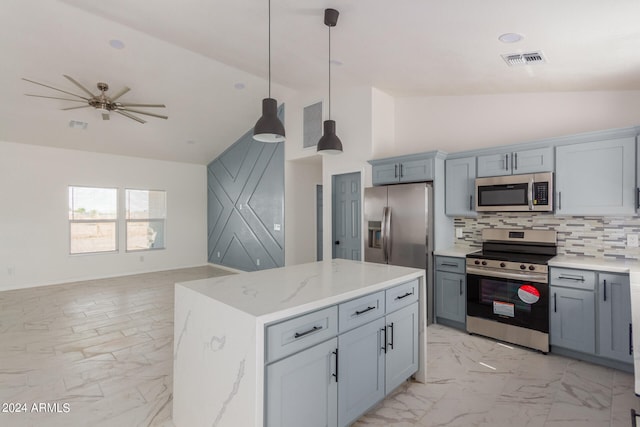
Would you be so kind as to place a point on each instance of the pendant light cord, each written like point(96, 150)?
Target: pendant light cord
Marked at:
point(329, 71)
point(269, 48)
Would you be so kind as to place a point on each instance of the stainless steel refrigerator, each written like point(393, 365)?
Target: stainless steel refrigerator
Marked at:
point(399, 223)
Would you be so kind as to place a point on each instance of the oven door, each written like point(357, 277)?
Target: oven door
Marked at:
point(514, 301)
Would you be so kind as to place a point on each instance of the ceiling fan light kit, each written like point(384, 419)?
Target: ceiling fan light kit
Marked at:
point(269, 128)
point(102, 102)
point(330, 143)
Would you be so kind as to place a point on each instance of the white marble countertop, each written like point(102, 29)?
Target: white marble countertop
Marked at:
point(277, 293)
point(591, 263)
point(458, 251)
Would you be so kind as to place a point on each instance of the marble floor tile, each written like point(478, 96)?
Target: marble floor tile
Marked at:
point(105, 347)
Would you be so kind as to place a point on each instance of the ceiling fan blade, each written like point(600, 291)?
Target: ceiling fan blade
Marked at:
point(105, 116)
point(75, 108)
point(79, 85)
point(119, 94)
point(142, 105)
point(131, 116)
point(55, 97)
point(143, 112)
point(54, 88)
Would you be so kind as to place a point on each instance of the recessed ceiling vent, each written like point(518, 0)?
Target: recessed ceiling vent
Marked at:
point(524, 58)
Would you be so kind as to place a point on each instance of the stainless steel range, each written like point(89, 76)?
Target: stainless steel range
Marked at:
point(508, 286)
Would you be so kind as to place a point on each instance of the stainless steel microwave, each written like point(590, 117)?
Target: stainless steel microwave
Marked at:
point(515, 193)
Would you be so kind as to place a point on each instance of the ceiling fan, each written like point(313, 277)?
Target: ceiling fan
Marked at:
point(102, 102)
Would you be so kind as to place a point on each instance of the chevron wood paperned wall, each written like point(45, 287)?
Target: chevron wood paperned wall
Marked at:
point(245, 202)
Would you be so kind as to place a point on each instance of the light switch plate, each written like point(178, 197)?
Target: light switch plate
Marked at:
point(276, 227)
point(632, 240)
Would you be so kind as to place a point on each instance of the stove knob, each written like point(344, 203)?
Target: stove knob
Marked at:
point(502, 264)
point(477, 262)
point(522, 266)
point(484, 262)
point(531, 267)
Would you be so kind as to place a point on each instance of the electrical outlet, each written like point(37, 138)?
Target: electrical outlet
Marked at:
point(458, 233)
point(141, 258)
point(218, 254)
point(632, 240)
point(276, 227)
point(258, 262)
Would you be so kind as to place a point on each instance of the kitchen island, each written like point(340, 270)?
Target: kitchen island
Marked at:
point(244, 344)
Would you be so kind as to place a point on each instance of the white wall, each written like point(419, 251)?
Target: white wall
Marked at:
point(34, 228)
point(459, 123)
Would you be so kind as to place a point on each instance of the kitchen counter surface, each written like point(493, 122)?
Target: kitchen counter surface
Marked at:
point(458, 251)
point(600, 264)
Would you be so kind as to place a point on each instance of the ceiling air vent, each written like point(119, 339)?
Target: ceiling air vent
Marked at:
point(524, 58)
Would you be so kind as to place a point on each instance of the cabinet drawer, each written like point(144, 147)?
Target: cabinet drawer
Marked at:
point(401, 295)
point(450, 264)
point(571, 278)
point(360, 311)
point(301, 332)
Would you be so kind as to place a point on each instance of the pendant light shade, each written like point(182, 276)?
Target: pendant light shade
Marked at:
point(330, 143)
point(269, 128)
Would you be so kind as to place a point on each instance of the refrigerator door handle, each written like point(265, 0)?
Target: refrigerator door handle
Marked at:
point(388, 229)
point(385, 211)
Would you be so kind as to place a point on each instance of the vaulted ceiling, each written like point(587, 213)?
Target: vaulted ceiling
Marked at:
point(207, 60)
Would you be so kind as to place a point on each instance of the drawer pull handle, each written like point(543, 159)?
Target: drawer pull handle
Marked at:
point(302, 334)
point(448, 264)
point(405, 295)
point(577, 279)
point(358, 313)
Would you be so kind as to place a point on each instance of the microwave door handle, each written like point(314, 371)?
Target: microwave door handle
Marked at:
point(531, 194)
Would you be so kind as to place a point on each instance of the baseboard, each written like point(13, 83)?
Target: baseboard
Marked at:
point(224, 267)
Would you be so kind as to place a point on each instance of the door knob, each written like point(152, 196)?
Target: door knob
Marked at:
point(337, 242)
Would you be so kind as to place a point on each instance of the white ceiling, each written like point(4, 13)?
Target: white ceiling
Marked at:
point(190, 54)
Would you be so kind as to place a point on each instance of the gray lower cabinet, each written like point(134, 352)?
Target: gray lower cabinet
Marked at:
point(460, 175)
point(402, 346)
point(572, 321)
point(614, 317)
point(301, 389)
point(361, 370)
point(596, 178)
point(451, 291)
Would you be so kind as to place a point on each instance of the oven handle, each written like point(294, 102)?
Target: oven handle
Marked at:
point(538, 278)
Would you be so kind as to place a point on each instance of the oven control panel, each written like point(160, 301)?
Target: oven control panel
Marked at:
point(507, 267)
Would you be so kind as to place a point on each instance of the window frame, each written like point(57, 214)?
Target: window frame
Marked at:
point(115, 221)
point(127, 220)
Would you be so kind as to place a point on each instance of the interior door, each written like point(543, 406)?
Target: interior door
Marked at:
point(408, 234)
point(346, 216)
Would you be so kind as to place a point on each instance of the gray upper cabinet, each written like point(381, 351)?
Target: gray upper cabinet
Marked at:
point(460, 175)
point(413, 168)
point(516, 162)
point(614, 317)
point(596, 178)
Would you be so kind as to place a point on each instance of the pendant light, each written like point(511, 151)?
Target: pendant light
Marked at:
point(269, 128)
point(330, 143)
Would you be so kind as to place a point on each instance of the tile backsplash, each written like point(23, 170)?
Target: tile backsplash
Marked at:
point(598, 237)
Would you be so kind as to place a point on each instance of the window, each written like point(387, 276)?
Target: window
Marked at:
point(146, 213)
point(93, 215)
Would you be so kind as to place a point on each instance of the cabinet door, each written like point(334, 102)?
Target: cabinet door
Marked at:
point(385, 174)
point(596, 178)
point(416, 170)
point(533, 161)
point(301, 390)
point(402, 346)
point(494, 164)
point(451, 296)
point(360, 370)
point(572, 320)
point(614, 317)
point(460, 175)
